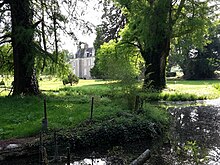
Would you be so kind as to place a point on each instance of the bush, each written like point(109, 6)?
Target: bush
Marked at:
point(72, 79)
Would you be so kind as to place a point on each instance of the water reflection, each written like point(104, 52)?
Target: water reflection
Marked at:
point(194, 138)
point(194, 135)
point(90, 162)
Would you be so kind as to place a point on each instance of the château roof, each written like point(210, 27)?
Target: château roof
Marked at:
point(84, 52)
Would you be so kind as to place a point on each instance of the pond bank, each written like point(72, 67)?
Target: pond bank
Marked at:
point(88, 136)
point(193, 137)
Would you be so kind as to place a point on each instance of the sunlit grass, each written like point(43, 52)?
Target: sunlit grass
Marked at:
point(54, 84)
point(50, 84)
point(66, 108)
point(203, 89)
point(22, 116)
point(69, 106)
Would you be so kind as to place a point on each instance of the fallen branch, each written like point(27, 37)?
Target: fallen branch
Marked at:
point(142, 158)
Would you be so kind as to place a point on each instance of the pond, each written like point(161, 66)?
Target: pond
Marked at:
point(193, 138)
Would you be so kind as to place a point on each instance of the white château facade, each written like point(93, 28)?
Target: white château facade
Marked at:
point(83, 61)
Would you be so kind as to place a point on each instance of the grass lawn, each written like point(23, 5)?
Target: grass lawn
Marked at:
point(70, 105)
point(200, 89)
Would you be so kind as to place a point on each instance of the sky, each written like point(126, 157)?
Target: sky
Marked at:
point(92, 15)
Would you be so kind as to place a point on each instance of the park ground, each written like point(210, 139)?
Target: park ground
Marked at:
point(69, 108)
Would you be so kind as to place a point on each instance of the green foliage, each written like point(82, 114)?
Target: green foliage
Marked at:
point(55, 64)
point(195, 152)
point(153, 25)
point(6, 59)
point(199, 69)
point(193, 24)
point(112, 21)
point(197, 62)
point(118, 130)
point(217, 86)
point(118, 62)
point(72, 79)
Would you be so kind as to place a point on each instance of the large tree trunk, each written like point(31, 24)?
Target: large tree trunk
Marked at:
point(157, 44)
point(25, 81)
point(156, 60)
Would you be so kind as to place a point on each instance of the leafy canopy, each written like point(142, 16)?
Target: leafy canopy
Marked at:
point(119, 62)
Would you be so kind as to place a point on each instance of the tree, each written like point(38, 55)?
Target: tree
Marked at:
point(20, 26)
point(198, 63)
point(154, 24)
point(6, 59)
point(113, 22)
point(22, 36)
point(119, 62)
point(61, 68)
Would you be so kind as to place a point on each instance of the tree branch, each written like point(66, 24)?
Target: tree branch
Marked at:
point(133, 44)
point(2, 4)
point(36, 24)
point(130, 43)
point(5, 36)
point(188, 31)
point(4, 10)
point(39, 49)
point(142, 158)
point(5, 41)
point(182, 2)
point(173, 3)
point(139, 45)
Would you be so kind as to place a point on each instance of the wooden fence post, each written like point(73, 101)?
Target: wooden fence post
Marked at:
point(56, 147)
point(44, 120)
point(41, 150)
point(92, 106)
point(68, 156)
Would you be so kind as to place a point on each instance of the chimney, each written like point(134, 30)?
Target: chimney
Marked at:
point(86, 46)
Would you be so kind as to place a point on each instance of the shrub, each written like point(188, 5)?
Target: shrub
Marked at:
point(72, 79)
